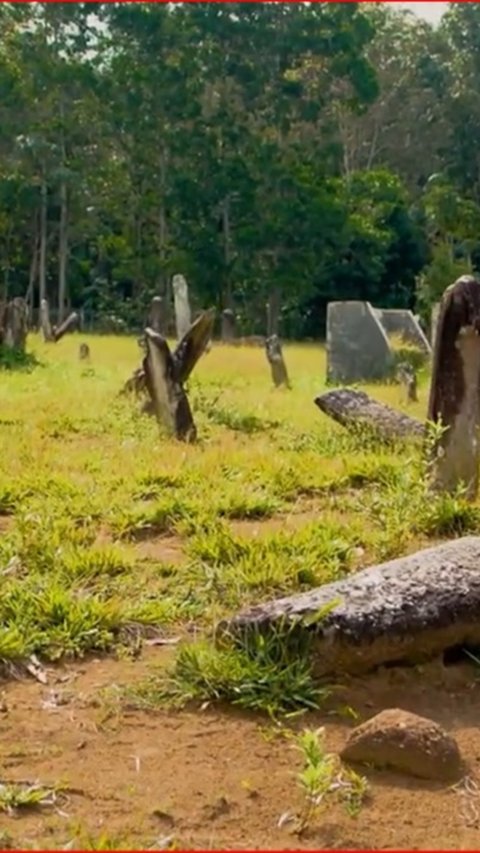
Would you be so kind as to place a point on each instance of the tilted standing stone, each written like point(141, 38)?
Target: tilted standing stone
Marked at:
point(165, 374)
point(183, 314)
point(357, 345)
point(403, 322)
point(355, 410)
point(228, 325)
point(454, 402)
point(68, 325)
point(275, 358)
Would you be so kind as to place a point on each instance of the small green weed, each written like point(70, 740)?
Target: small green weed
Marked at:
point(17, 796)
point(322, 777)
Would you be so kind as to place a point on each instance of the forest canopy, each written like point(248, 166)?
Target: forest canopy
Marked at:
point(290, 151)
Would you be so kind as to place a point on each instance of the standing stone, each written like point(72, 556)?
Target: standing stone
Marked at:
point(15, 324)
point(68, 325)
point(408, 378)
point(398, 321)
point(156, 315)
point(228, 325)
point(275, 358)
point(357, 345)
point(45, 324)
point(454, 402)
point(433, 322)
point(183, 314)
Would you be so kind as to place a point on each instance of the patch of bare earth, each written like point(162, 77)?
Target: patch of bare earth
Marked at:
point(214, 778)
point(167, 549)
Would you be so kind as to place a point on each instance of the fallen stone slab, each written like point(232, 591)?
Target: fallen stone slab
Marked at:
point(404, 611)
point(356, 410)
point(398, 740)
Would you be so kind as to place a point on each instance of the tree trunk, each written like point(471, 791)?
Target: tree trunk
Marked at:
point(43, 241)
point(273, 311)
point(62, 252)
point(228, 325)
point(32, 278)
point(357, 411)
point(227, 251)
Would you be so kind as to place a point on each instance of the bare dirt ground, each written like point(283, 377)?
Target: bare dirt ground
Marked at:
point(222, 780)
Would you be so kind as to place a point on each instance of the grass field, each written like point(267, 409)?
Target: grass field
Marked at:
point(114, 538)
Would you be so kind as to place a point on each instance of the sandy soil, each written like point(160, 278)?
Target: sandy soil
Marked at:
point(217, 778)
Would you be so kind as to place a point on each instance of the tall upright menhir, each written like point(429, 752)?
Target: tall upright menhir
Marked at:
point(454, 403)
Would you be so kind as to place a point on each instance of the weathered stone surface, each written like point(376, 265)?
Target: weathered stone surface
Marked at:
point(169, 401)
point(408, 378)
point(357, 345)
point(398, 740)
point(45, 321)
point(454, 401)
point(433, 323)
point(183, 314)
point(356, 410)
point(156, 315)
point(399, 321)
point(67, 326)
point(407, 610)
point(14, 324)
point(276, 361)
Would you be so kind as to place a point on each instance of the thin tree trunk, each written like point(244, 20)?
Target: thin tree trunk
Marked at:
point(62, 252)
point(43, 242)
point(226, 251)
point(33, 275)
point(162, 242)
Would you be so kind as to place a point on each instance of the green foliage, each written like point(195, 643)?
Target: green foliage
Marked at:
point(271, 120)
point(13, 359)
point(322, 779)
point(271, 674)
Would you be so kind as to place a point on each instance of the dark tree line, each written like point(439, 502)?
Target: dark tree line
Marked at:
point(292, 152)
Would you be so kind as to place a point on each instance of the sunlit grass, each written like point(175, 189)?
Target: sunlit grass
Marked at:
point(274, 498)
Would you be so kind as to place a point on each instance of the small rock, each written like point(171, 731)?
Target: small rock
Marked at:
point(405, 742)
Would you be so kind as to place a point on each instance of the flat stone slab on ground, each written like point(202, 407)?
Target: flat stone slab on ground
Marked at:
point(398, 740)
point(356, 410)
point(403, 611)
